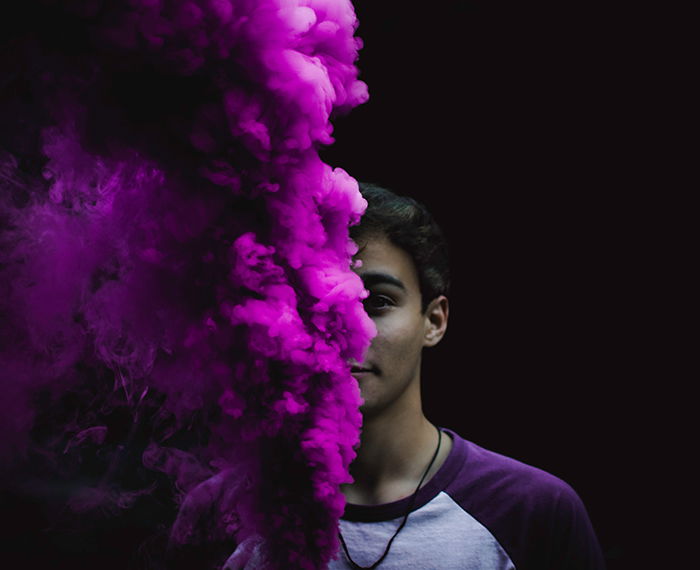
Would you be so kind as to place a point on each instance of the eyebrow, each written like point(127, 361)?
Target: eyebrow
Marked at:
point(375, 278)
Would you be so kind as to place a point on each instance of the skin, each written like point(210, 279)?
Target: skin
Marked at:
point(397, 440)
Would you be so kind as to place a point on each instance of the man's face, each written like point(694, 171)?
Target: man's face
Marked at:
point(389, 376)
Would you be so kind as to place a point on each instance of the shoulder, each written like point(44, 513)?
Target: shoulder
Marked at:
point(483, 472)
point(534, 514)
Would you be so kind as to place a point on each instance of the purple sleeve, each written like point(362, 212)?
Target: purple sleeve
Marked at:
point(567, 540)
point(537, 518)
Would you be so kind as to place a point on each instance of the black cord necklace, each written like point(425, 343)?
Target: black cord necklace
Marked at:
point(354, 564)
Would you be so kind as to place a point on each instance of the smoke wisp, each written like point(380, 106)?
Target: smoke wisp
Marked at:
point(176, 293)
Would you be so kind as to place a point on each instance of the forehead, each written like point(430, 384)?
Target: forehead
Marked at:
point(380, 256)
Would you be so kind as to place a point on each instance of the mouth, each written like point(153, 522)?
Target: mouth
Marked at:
point(361, 370)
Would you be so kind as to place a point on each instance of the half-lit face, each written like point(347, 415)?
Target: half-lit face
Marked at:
point(389, 376)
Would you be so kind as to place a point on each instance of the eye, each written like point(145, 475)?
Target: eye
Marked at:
point(376, 303)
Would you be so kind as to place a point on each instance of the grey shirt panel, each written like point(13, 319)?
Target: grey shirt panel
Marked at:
point(438, 535)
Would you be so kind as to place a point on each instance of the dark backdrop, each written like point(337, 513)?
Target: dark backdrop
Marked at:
point(516, 129)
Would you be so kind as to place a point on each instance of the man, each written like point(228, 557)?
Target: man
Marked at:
point(423, 497)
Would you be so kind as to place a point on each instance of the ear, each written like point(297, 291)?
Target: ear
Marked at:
point(436, 316)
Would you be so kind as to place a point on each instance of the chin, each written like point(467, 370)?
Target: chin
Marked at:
point(370, 408)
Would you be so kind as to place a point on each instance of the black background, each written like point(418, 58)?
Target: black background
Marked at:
point(532, 133)
point(524, 131)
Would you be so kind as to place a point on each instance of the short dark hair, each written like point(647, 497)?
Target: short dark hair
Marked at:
point(409, 225)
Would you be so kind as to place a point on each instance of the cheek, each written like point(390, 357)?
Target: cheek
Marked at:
point(400, 338)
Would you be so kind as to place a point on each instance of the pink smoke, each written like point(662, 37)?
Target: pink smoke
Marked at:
point(174, 252)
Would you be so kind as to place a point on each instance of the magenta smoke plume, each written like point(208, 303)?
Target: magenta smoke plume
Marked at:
point(176, 293)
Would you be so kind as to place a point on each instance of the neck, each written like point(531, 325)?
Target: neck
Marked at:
point(394, 452)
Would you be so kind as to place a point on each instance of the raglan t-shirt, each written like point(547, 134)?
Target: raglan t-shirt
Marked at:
point(480, 511)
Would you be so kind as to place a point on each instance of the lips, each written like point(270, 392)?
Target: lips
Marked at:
point(362, 370)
